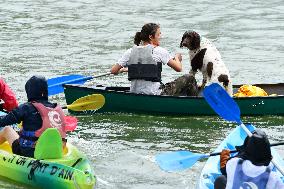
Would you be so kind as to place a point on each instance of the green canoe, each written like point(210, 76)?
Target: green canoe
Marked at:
point(118, 99)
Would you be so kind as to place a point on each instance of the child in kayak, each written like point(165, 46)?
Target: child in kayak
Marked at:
point(9, 98)
point(37, 115)
point(251, 168)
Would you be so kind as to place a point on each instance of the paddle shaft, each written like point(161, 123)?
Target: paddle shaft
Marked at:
point(79, 79)
point(234, 151)
point(76, 104)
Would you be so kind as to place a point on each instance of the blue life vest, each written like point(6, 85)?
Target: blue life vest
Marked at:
point(142, 66)
point(242, 181)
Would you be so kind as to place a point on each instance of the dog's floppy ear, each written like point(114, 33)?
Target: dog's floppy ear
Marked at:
point(183, 37)
point(195, 43)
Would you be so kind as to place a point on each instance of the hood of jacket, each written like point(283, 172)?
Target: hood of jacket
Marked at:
point(256, 149)
point(36, 88)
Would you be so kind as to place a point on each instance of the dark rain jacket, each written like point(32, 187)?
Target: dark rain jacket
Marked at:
point(36, 89)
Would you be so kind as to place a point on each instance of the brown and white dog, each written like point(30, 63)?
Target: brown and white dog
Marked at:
point(205, 57)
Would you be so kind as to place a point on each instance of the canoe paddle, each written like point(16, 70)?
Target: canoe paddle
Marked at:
point(225, 106)
point(183, 159)
point(89, 102)
point(55, 85)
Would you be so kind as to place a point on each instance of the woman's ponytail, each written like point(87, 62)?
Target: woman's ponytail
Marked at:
point(137, 38)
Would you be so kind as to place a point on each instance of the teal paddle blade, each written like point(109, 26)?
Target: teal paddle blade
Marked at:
point(178, 160)
point(55, 85)
point(222, 103)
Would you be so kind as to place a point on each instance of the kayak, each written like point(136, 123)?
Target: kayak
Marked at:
point(119, 99)
point(211, 170)
point(71, 170)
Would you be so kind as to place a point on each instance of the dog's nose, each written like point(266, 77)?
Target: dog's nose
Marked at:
point(183, 44)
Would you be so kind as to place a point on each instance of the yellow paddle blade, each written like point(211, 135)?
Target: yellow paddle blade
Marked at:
point(90, 102)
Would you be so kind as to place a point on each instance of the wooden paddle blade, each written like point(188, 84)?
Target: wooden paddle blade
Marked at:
point(55, 85)
point(178, 160)
point(90, 102)
point(222, 103)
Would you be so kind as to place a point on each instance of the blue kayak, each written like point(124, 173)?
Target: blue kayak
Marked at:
point(211, 170)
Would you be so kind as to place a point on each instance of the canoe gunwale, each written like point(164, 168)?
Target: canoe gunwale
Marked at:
point(163, 96)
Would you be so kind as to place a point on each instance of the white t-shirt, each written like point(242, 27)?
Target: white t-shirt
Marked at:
point(274, 181)
point(141, 86)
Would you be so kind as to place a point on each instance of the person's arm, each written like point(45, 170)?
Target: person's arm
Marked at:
point(224, 157)
point(13, 117)
point(9, 98)
point(121, 66)
point(175, 63)
point(115, 69)
point(275, 181)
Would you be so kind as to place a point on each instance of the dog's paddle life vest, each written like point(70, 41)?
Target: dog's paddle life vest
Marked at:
point(51, 118)
point(243, 181)
point(141, 65)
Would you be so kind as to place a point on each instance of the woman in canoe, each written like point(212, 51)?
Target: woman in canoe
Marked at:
point(9, 98)
point(251, 168)
point(144, 61)
point(37, 115)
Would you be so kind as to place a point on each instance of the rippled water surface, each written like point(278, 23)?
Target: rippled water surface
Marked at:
point(59, 37)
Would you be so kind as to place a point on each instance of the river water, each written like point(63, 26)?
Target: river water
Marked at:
point(59, 37)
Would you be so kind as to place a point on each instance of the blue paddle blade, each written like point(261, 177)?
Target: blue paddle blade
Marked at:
point(64, 78)
point(178, 160)
point(222, 103)
point(55, 84)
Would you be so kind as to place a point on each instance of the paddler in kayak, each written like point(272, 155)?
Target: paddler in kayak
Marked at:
point(251, 168)
point(37, 115)
point(7, 95)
